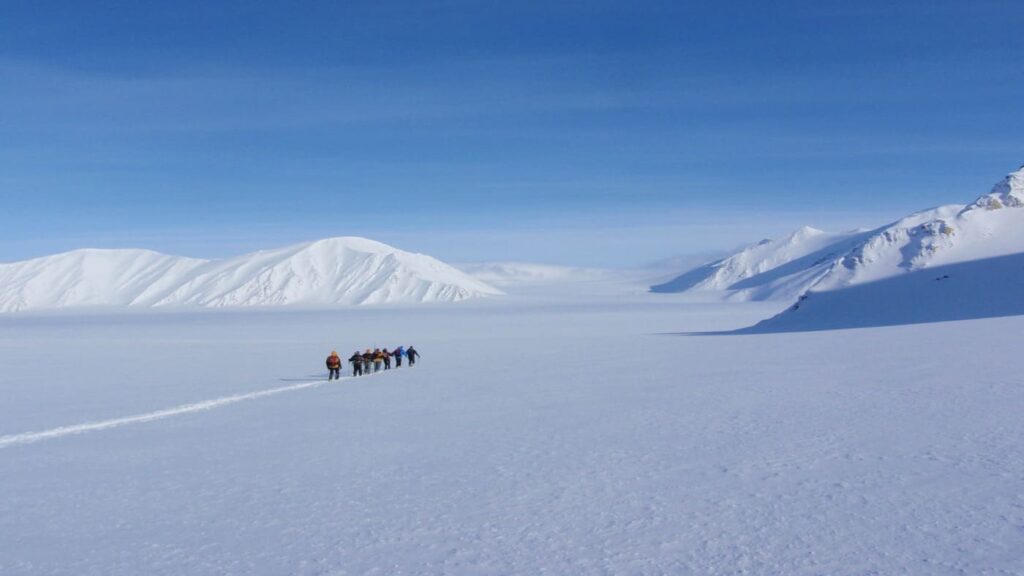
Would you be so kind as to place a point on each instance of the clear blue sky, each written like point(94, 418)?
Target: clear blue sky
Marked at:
point(567, 132)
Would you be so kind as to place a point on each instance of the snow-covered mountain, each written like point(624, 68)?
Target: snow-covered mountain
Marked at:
point(949, 263)
point(930, 263)
point(990, 227)
point(770, 269)
point(335, 271)
point(92, 278)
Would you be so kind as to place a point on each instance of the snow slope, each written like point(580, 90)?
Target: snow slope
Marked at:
point(92, 278)
point(971, 289)
point(770, 269)
point(335, 271)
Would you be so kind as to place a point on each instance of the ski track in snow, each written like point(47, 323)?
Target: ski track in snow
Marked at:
point(32, 437)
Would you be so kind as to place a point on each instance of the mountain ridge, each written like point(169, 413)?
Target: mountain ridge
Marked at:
point(845, 281)
point(332, 271)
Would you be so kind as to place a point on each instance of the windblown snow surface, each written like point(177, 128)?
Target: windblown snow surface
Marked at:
point(585, 438)
point(335, 271)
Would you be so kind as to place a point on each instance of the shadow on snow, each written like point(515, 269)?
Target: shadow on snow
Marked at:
point(988, 288)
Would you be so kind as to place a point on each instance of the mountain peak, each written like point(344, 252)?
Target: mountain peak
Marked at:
point(805, 229)
point(1012, 184)
point(806, 232)
point(1008, 193)
point(356, 243)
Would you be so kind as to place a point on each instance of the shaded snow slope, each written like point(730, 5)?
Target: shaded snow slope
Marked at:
point(336, 271)
point(961, 291)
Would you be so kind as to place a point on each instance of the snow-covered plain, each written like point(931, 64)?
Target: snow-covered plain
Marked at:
point(597, 438)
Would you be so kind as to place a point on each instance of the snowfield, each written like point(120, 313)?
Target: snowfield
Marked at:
point(851, 406)
point(597, 438)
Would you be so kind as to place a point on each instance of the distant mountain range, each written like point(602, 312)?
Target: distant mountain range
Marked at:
point(335, 271)
point(950, 262)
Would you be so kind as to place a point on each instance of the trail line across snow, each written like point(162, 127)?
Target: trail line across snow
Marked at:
point(30, 437)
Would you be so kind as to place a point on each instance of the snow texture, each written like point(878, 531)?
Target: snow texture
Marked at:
point(335, 271)
point(527, 440)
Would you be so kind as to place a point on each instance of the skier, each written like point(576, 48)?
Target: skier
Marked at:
point(378, 359)
point(367, 361)
point(399, 353)
point(357, 363)
point(387, 359)
point(413, 355)
point(334, 366)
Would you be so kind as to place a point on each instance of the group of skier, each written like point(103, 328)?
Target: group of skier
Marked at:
point(371, 361)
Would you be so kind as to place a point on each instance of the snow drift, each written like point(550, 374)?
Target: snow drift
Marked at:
point(335, 271)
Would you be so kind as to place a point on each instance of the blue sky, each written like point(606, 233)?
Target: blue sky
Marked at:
point(596, 133)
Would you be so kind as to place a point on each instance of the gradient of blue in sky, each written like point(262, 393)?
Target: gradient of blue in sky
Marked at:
point(596, 133)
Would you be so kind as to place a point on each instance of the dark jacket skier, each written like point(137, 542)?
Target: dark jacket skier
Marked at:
point(333, 366)
point(387, 359)
point(357, 363)
point(412, 354)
